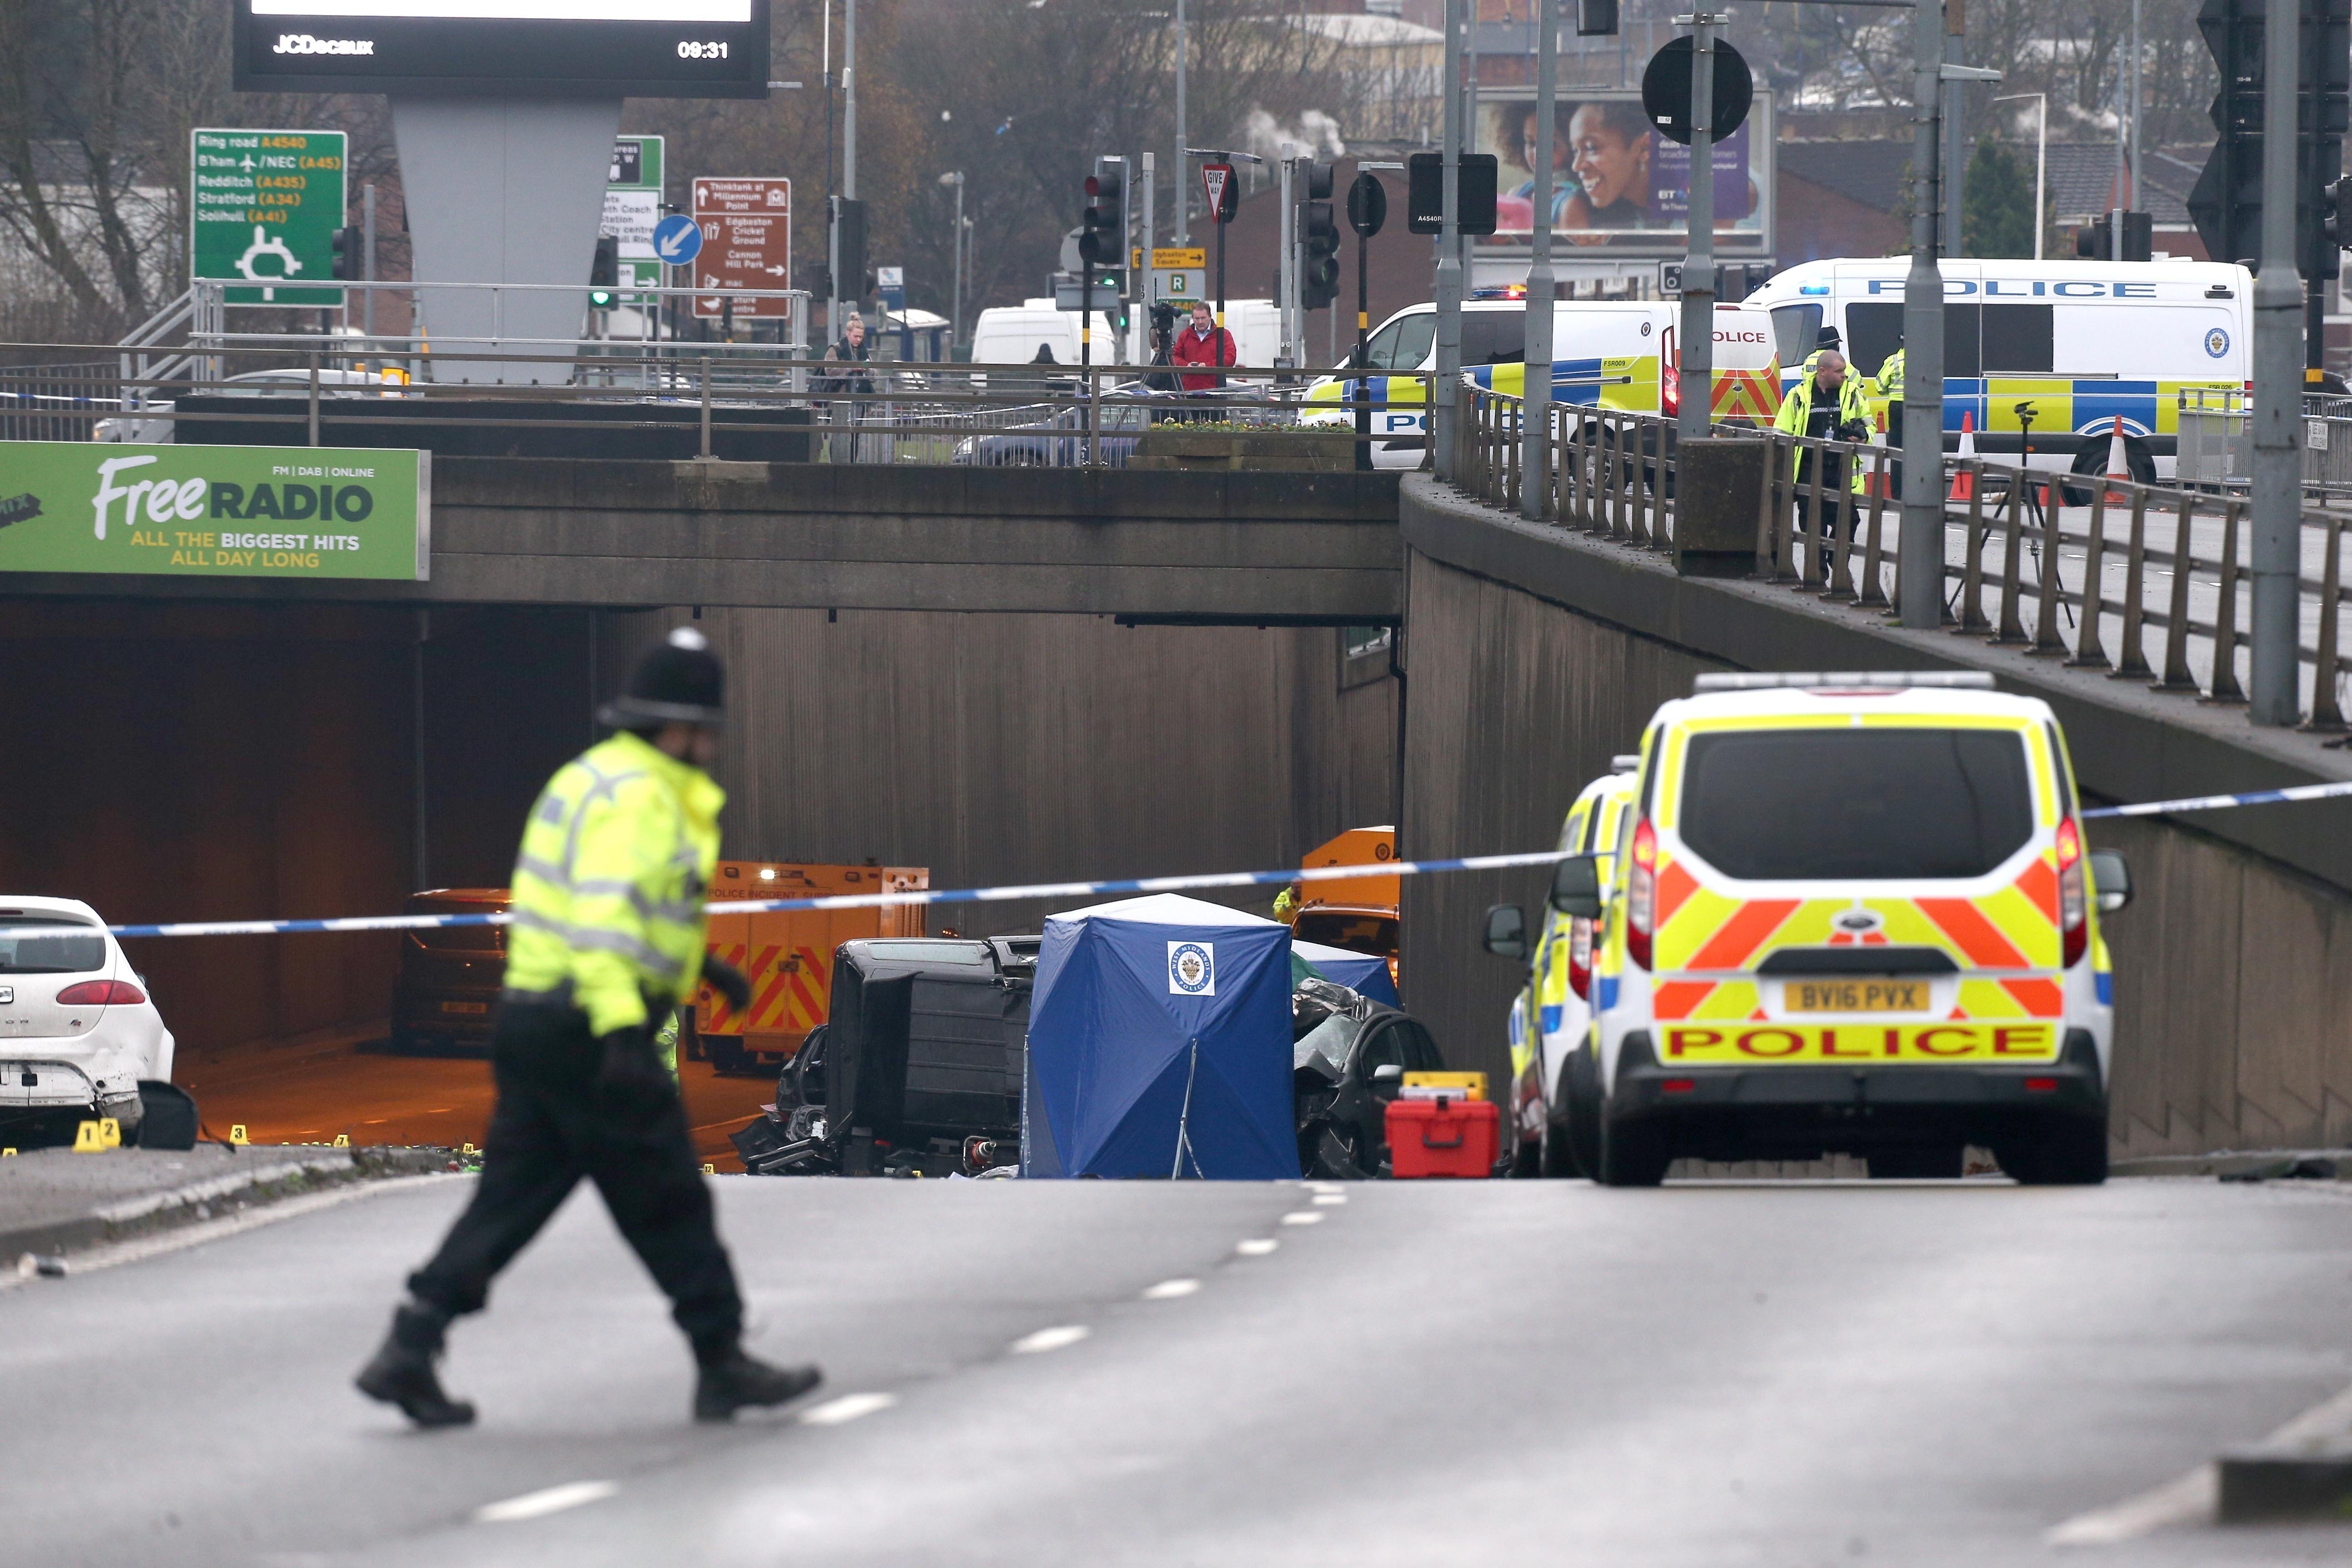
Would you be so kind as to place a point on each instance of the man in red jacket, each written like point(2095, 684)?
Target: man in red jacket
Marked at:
point(1202, 341)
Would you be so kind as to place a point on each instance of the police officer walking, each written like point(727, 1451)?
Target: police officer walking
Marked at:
point(607, 936)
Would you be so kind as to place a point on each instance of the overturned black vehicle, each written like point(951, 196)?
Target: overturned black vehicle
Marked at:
point(918, 1070)
point(1349, 1059)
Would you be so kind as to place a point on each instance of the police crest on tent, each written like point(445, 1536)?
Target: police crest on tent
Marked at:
point(1192, 969)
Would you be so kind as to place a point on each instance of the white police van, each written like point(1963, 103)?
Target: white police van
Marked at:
point(2050, 353)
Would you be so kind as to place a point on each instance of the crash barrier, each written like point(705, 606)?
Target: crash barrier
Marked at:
point(870, 412)
point(2051, 563)
point(1206, 879)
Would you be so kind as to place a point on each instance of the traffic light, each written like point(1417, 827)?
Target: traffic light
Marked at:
point(1109, 198)
point(849, 247)
point(604, 274)
point(1316, 184)
point(2227, 201)
point(2332, 215)
point(1320, 284)
point(2096, 240)
point(1102, 226)
point(1474, 192)
point(351, 263)
point(1595, 18)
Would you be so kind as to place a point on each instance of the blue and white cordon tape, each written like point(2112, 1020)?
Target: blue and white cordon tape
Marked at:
point(1092, 889)
point(885, 900)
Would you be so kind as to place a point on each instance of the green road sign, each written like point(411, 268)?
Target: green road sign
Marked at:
point(266, 206)
point(215, 511)
point(636, 164)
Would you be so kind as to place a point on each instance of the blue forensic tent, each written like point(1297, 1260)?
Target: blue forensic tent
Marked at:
point(1365, 973)
point(1160, 1042)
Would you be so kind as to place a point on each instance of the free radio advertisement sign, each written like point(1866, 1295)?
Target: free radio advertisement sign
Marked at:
point(308, 512)
point(263, 211)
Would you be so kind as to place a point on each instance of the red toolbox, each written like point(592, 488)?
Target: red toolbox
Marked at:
point(1445, 1135)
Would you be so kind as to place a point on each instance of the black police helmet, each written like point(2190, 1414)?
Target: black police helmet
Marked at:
point(1827, 338)
point(679, 682)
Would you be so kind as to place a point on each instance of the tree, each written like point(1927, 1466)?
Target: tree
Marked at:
point(1997, 203)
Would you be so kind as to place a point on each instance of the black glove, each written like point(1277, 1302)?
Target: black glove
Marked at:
point(727, 980)
point(1855, 430)
point(628, 1061)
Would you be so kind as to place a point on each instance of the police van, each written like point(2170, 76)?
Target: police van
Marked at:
point(2045, 352)
point(1850, 914)
point(1552, 1014)
point(1606, 353)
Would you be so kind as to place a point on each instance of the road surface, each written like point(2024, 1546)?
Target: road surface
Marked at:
point(1717, 1375)
point(349, 1082)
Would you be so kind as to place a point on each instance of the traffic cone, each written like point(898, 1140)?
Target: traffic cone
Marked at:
point(1964, 480)
point(2118, 464)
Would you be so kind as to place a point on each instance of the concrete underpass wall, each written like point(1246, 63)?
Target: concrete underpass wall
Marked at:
point(2233, 965)
point(1001, 749)
point(210, 761)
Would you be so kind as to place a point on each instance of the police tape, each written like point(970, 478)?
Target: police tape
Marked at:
point(895, 900)
point(2217, 802)
point(916, 896)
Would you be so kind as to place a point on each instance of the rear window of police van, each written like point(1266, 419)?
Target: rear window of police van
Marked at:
point(1856, 804)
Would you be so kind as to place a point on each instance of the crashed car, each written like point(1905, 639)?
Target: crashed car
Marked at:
point(80, 1037)
point(1349, 1059)
point(917, 1070)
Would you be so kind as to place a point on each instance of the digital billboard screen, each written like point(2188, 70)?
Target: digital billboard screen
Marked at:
point(1617, 183)
point(642, 49)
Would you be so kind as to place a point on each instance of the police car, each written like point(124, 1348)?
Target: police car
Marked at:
point(1851, 913)
point(1606, 353)
point(1551, 1016)
point(2074, 344)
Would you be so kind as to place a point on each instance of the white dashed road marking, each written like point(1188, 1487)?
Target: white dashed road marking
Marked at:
point(1050, 1339)
point(539, 1504)
point(1170, 1289)
point(1257, 1247)
point(1303, 1216)
point(848, 1407)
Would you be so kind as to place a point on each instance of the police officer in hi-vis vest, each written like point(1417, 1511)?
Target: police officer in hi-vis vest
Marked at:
point(606, 939)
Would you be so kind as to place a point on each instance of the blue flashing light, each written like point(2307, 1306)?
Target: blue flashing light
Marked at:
point(1812, 288)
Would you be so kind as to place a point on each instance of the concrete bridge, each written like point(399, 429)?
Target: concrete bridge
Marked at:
point(1240, 549)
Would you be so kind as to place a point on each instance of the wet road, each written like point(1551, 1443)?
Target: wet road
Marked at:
point(1777, 1375)
point(311, 1089)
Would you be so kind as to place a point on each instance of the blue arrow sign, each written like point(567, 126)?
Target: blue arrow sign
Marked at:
point(677, 239)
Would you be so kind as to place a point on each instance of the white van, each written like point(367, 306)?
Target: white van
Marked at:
point(1610, 353)
point(2075, 344)
point(1012, 334)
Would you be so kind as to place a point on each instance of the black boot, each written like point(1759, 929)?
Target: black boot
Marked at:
point(402, 1371)
point(731, 1380)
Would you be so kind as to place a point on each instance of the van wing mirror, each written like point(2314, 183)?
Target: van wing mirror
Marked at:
point(1576, 887)
point(2111, 882)
point(1506, 931)
point(1388, 1072)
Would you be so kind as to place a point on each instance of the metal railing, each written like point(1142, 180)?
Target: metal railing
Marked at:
point(55, 402)
point(328, 389)
point(2060, 565)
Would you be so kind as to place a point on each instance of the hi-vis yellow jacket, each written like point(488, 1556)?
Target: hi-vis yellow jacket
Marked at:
point(608, 889)
point(1797, 407)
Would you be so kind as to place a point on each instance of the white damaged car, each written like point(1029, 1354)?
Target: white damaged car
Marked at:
point(79, 1035)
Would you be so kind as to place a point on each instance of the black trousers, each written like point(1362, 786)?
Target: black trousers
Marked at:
point(554, 1125)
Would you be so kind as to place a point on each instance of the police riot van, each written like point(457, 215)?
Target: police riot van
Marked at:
point(1552, 1014)
point(2041, 353)
point(1606, 353)
point(1852, 914)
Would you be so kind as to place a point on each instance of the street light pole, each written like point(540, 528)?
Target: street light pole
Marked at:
point(1921, 547)
point(1534, 414)
point(955, 309)
point(1439, 423)
point(1183, 214)
point(2041, 156)
point(2277, 489)
point(1696, 383)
